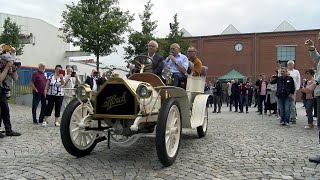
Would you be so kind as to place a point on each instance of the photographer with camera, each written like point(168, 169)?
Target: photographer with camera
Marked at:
point(95, 80)
point(71, 81)
point(7, 69)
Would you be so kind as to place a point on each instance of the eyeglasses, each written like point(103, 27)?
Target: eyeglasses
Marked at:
point(190, 51)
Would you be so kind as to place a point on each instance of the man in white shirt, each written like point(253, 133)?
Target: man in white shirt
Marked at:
point(295, 74)
point(178, 64)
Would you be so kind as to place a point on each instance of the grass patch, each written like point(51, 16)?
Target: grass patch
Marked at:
point(12, 100)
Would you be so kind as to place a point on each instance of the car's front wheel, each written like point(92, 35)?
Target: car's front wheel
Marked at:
point(76, 141)
point(168, 132)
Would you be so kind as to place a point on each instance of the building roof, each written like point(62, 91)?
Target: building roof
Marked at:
point(93, 63)
point(231, 30)
point(185, 33)
point(14, 18)
point(284, 26)
point(233, 74)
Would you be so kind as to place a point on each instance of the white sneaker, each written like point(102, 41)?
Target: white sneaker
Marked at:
point(57, 124)
point(278, 118)
point(44, 124)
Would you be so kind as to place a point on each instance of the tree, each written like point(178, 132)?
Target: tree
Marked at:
point(138, 40)
point(175, 36)
point(96, 26)
point(11, 35)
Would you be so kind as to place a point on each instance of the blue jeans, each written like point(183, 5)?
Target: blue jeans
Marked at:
point(284, 107)
point(37, 97)
point(309, 104)
point(243, 101)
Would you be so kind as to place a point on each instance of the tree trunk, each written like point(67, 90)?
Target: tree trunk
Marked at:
point(98, 63)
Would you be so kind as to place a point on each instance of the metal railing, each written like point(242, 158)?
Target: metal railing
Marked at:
point(21, 86)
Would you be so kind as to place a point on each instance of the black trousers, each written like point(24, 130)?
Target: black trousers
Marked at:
point(250, 100)
point(55, 101)
point(5, 112)
point(236, 99)
point(262, 99)
point(230, 102)
point(217, 102)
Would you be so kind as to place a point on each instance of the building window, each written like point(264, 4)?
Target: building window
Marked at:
point(286, 53)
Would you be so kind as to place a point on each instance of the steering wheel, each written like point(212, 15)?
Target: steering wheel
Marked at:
point(143, 62)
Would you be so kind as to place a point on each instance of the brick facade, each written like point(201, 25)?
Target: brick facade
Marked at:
point(259, 53)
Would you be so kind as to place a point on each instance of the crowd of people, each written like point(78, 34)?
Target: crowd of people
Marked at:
point(57, 90)
point(274, 95)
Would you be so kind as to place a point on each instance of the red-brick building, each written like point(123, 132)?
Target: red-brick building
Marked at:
point(255, 53)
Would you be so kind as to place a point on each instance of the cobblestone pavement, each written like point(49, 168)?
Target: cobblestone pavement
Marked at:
point(237, 146)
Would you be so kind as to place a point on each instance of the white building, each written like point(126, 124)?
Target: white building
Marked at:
point(45, 45)
point(85, 67)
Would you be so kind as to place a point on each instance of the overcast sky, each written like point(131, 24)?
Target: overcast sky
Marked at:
point(202, 17)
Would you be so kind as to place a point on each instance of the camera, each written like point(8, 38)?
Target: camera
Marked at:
point(73, 74)
point(17, 64)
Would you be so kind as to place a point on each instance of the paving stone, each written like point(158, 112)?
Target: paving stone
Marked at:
point(237, 146)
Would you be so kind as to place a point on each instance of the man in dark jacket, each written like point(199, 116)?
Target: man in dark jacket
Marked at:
point(217, 96)
point(235, 90)
point(94, 81)
point(157, 65)
point(285, 92)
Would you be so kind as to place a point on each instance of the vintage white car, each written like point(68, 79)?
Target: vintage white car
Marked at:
point(124, 110)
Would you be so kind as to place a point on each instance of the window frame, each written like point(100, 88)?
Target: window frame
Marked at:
point(286, 53)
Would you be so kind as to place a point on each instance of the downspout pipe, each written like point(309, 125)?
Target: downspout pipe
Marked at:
point(255, 57)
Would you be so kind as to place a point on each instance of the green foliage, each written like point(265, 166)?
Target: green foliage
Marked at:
point(11, 35)
point(175, 36)
point(138, 40)
point(96, 26)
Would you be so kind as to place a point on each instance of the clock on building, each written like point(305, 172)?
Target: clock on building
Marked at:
point(238, 47)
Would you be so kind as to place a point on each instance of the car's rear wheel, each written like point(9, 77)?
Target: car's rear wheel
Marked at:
point(168, 132)
point(202, 130)
point(76, 141)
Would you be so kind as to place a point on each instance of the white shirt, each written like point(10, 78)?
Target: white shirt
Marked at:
point(229, 89)
point(295, 74)
point(94, 87)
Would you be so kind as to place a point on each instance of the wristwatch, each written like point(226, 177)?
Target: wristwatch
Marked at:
point(312, 48)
